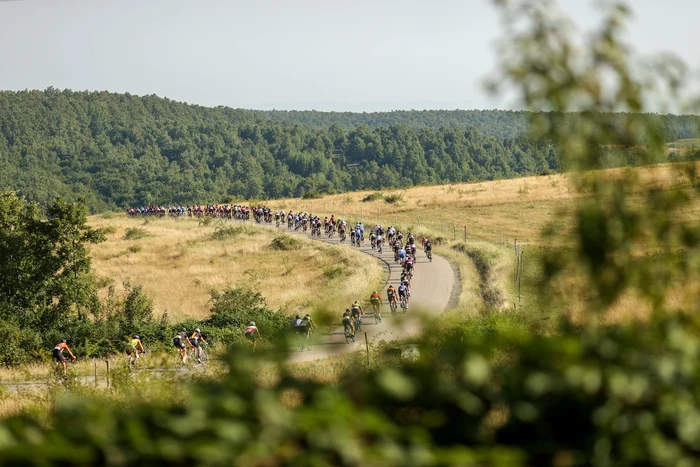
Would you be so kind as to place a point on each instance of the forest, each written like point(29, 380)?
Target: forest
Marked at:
point(119, 150)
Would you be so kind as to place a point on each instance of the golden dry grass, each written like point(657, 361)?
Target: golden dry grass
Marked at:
point(491, 211)
point(179, 264)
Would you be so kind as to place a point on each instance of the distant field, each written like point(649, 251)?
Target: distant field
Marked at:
point(179, 263)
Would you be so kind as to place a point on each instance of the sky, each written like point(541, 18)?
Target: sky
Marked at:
point(358, 55)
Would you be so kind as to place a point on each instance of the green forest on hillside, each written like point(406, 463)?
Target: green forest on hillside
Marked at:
point(119, 150)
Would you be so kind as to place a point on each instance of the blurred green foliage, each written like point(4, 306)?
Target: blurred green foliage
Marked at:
point(487, 392)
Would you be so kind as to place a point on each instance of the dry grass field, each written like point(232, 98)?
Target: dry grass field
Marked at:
point(491, 211)
point(179, 263)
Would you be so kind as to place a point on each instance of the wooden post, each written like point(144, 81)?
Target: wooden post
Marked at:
point(367, 347)
point(108, 382)
point(454, 232)
point(362, 216)
point(465, 233)
point(95, 373)
point(520, 274)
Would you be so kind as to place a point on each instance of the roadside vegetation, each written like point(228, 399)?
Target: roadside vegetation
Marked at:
point(493, 388)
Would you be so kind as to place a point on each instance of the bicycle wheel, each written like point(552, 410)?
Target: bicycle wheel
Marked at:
point(305, 343)
point(204, 358)
point(179, 364)
point(377, 317)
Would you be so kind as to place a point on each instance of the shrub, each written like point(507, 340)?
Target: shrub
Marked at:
point(377, 195)
point(285, 243)
point(311, 195)
point(108, 215)
point(136, 233)
point(223, 233)
point(205, 221)
point(393, 198)
point(134, 248)
point(108, 229)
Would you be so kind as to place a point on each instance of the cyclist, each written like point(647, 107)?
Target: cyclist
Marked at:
point(428, 247)
point(58, 355)
point(308, 324)
point(134, 348)
point(376, 300)
point(347, 321)
point(403, 293)
point(372, 239)
point(357, 312)
point(296, 324)
point(195, 338)
point(378, 240)
point(181, 343)
point(391, 295)
point(253, 334)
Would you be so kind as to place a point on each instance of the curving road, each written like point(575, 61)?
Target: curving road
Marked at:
point(431, 293)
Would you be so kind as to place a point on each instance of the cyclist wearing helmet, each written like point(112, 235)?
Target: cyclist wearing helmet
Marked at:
point(181, 343)
point(307, 324)
point(195, 338)
point(296, 324)
point(356, 311)
point(347, 321)
point(134, 348)
point(253, 334)
point(58, 355)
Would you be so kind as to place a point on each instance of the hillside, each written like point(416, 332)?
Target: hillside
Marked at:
point(119, 150)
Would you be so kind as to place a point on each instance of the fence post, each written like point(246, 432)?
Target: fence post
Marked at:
point(520, 274)
point(454, 232)
point(95, 373)
point(362, 215)
point(465, 233)
point(367, 347)
point(108, 382)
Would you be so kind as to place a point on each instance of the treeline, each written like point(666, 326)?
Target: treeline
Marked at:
point(501, 124)
point(497, 123)
point(119, 150)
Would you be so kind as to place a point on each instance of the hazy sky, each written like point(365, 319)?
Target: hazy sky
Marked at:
point(288, 54)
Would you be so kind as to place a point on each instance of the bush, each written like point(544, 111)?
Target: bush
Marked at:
point(234, 308)
point(108, 229)
point(393, 198)
point(285, 243)
point(311, 195)
point(136, 233)
point(223, 233)
point(377, 195)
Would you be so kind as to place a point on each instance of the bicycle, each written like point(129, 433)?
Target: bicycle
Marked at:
point(203, 359)
point(57, 375)
point(182, 364)
point(429, 254)
point(134, 362)
point(303, 341)
point(358, 324)
point(379, 248)
point(404, 304)
point(393, 306)
point(349, 336)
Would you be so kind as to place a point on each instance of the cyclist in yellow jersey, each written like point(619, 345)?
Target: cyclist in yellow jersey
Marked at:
point(135, 348)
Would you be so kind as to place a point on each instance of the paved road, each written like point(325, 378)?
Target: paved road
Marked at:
point(432, 287)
